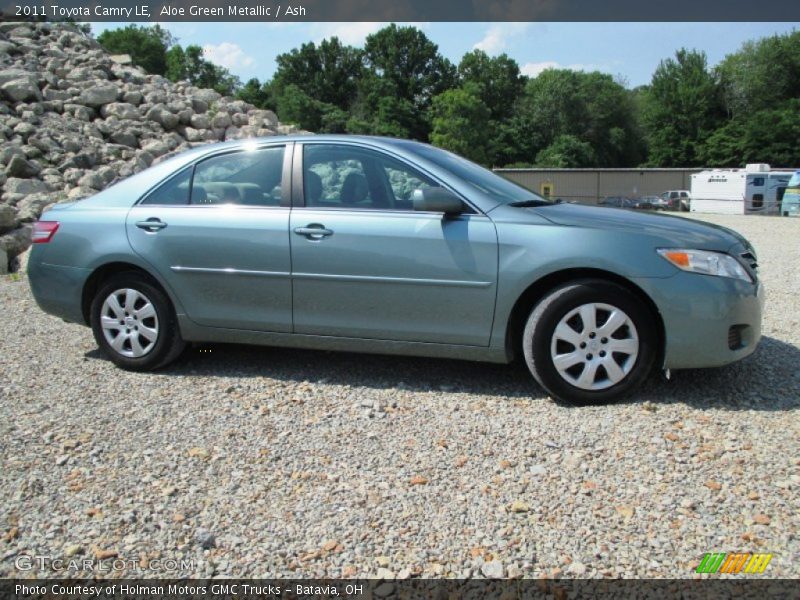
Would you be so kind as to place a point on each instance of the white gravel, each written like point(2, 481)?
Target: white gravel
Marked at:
point(271, 462)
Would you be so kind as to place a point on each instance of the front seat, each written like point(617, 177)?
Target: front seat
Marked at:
point(354, 189)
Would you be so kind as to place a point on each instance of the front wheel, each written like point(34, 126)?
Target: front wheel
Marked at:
point(133, 323)
point(590, 341)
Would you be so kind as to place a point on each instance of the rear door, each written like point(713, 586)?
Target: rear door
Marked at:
point(366, 265)
point(218, 233)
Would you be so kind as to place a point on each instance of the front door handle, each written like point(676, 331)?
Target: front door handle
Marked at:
point(152, 224)
point(313, 231)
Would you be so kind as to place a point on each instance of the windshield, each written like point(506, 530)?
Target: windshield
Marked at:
point(481, 179)
point(794, 182)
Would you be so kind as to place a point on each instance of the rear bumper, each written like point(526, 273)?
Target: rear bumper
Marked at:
point(708, 321)
point(58, 290)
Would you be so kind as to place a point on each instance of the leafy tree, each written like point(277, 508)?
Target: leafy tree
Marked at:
point(566, 151)
point(379, 110)
point(260, 96)
point(590, 107)
point(762, 74)
point(497, 81)
point(177, 68)
point(147, 46)
point(682, 108)
point(295, 106)
point(406, 60)
point(329, 72)
point(460, 119)
point(189, 64)
point(768, 135)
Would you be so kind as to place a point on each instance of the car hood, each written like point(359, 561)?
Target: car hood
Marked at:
point(668, 230)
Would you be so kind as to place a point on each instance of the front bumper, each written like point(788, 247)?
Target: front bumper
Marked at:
point(708, 321)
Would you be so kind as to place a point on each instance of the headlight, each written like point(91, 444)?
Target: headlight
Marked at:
point(705, 262)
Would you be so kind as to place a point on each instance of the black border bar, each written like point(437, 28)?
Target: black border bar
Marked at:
point(422, 589)
point(402, 10)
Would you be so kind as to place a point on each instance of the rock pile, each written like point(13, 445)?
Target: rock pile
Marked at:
point(74, 119)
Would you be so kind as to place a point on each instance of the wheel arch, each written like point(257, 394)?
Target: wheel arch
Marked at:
point(537, 290)
point(103, 272)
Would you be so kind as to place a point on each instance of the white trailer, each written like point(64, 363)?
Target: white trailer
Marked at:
point(756, 189)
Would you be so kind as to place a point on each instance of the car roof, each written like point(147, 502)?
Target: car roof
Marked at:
point(376, 140)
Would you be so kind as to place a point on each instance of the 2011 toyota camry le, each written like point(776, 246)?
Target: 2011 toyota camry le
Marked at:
point(390, 246)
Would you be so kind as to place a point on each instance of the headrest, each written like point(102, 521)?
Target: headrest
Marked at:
point(250, 193)
point(354, 188)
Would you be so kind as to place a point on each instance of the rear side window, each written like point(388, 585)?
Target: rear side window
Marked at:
point(758, 181)
point(173, 191)
point(250, 178)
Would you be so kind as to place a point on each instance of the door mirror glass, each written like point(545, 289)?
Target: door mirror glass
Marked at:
point(437, 199)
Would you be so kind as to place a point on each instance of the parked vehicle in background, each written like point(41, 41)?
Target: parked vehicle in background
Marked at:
point(755, 189)
point(617, 202)
point(677, 199)
point(388, 246)
point(649, 203)
point(791, 198)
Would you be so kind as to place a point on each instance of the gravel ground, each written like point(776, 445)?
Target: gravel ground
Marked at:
point(270, 462)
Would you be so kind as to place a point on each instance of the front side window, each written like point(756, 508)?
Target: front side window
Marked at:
point(249, 178)
point(344, 176)
point(483, 180)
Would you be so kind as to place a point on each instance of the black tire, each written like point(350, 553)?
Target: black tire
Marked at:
point(158, 352)
point(540, 342)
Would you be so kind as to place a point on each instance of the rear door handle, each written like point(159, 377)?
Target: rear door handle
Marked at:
point(152, 224)
point(313, 231)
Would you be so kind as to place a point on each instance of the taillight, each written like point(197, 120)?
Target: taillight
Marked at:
point(43, 231)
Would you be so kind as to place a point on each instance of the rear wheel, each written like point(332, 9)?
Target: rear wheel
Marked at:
point(590, 341)
point(134, 324)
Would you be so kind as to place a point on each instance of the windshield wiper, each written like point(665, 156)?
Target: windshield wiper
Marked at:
point(529, 203)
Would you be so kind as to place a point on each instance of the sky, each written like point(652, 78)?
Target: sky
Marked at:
point(631, 51)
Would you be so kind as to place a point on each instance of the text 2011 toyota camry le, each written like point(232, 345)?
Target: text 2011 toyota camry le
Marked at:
point(390, 246)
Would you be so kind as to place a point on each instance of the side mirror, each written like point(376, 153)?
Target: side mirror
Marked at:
point(437, 199)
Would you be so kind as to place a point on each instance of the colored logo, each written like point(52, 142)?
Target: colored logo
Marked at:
point(736, 562)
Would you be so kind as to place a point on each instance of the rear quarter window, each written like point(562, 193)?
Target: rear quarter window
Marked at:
point(174, 191)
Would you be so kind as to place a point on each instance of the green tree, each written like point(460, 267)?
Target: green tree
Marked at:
point(566, 151)
point(176, 64)
point(682, 107)
point(762, 74)
point(189, 64)
point(260, 96)
point(404, 60)
point(295, 106)
point(497, 81)
point(460, 119)
point(768, 135)
point(328, 73)
point(147, 46)
point(590, 107)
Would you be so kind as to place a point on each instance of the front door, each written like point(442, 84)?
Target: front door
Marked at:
point(218, 233)
point(366, 265)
